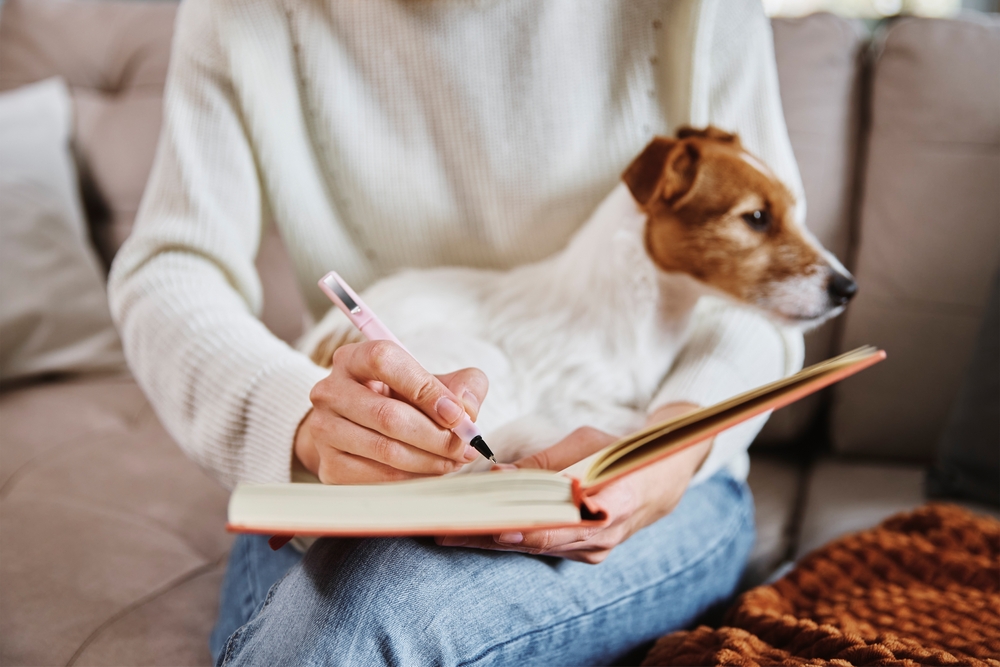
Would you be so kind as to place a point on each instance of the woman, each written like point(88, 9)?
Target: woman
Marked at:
point(395, 133)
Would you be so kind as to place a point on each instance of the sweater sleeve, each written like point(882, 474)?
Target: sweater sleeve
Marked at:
point(732, 349)
point(184, 291)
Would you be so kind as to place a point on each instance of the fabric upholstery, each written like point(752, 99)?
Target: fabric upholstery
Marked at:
point(843, 496)
point(54, 314)
point(114, 57)
point(284, 312)
point(56, 412)
point(929, 236)
point(164, 629)
point(101, 526)
point(818, 58)
point(968, 458)
point(775, 484)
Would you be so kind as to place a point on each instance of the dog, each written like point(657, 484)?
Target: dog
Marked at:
point(586, 336)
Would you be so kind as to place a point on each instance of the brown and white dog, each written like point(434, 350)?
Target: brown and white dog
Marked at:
point(720, 215)
point(586, 337)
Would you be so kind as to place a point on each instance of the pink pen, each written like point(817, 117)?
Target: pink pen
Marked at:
point(371, 326)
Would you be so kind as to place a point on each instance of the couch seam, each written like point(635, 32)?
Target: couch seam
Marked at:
point(8, 486)
point(132, 421)
point(149, 597)
point(144, 522)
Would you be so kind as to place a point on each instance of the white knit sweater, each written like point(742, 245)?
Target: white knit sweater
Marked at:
point(395, 133)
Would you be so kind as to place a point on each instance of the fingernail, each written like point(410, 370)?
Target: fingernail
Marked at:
point(453, 541)
point(510, 538)
point(470, 399)
point(470, 453)
point(448, 409)
point(503, 466)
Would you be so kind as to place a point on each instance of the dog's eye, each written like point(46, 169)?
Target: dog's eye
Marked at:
point(759, 221)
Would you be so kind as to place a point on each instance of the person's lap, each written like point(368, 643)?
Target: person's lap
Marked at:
point(252, 570)
point(409, 601)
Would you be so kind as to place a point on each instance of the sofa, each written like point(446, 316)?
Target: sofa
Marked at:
point(112, 543)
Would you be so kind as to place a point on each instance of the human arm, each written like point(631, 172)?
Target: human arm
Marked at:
point(185, 292)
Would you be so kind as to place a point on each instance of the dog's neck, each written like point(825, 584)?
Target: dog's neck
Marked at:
point(606, 269)
point(605, 284)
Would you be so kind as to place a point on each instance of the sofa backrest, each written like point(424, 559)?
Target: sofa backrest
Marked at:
point(113, 55)
point(929, 231)
point(818, 59)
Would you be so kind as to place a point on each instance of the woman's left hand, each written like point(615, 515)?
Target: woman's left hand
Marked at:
point(631, 503)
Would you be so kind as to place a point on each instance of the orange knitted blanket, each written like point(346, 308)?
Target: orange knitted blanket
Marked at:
point(923, 588)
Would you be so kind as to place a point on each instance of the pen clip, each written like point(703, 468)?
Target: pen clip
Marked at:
point(331, 282)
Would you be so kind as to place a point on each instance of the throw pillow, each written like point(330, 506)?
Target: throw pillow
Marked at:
point(54, 314)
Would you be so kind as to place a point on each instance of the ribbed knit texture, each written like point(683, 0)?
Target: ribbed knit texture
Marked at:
point(386, 134)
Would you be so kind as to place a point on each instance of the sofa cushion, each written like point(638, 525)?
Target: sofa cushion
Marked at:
point(48, 414)
point(775, 483)
point(847, 496)
point(98, 523)
point(968, 459)
point(285, 313)
point(114, 57)
point(844, 496)
point(167, 628)
point(818, 71)
point(930, 241)
point(54, 315)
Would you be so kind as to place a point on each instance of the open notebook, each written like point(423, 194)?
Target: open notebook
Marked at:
point(488, 503)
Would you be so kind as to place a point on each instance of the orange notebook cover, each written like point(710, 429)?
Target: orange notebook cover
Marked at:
point(489, 503)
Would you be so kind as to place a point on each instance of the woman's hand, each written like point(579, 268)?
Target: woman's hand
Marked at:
point(380, 417)
point(631, 503)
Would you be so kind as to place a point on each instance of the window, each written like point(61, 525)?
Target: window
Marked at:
point(862, 8)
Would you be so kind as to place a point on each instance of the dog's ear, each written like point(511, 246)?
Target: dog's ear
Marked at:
point(643, 176)
point(664, 169)
point(710, 132)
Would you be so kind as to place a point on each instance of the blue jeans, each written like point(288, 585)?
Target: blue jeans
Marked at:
point(410, 602)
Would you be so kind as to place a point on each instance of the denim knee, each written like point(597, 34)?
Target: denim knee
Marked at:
point(408, 601)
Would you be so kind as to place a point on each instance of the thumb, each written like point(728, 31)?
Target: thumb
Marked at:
point(576, 446)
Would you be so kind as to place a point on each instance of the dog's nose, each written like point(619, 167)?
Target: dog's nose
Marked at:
point(841, 288)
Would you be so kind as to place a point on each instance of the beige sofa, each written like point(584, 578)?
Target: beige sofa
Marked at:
point(112, 545)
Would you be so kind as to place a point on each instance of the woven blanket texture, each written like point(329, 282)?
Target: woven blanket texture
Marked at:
point(922, 588)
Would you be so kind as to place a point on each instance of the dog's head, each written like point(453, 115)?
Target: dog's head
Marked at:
point(720, 215)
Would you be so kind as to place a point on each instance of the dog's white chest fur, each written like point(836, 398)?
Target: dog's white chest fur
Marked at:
point(582, 338)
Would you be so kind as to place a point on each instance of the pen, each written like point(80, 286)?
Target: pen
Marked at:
point(372, 328)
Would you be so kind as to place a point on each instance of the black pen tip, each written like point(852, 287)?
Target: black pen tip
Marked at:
point(480, 446)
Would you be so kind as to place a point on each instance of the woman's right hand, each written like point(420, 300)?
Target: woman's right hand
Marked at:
point(380, 417)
